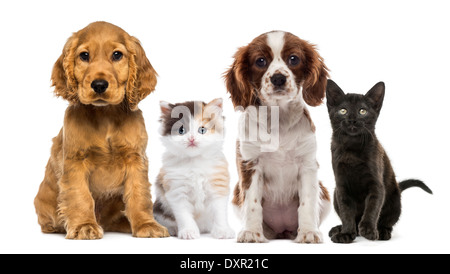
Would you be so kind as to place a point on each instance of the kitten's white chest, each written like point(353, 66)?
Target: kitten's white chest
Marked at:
point(193, 179)
point(197, 181)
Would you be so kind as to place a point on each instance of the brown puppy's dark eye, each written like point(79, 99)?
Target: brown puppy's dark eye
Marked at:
point(261, 62)
point(294, 60)
point(84, 56)
point(117, 55)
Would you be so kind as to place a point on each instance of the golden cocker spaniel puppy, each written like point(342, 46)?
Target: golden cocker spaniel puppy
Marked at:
point(97, 177)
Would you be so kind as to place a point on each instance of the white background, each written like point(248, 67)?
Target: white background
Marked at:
point(191, 44)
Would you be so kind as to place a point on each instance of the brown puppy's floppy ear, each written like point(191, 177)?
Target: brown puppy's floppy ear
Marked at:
point(63, 78)
point(240, 89)
point(316, 73)
point(142, 76)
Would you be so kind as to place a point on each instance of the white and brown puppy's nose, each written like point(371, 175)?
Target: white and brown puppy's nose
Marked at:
point(278, 80)
point(99, 86)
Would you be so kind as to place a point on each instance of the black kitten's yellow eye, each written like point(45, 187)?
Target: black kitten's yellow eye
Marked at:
point(342, 111)
point(363, 111)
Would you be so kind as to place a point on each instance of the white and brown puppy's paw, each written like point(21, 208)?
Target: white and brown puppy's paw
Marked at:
point(246, 236)
point(309, 237)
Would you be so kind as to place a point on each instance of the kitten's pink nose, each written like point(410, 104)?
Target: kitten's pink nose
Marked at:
point(191, 140)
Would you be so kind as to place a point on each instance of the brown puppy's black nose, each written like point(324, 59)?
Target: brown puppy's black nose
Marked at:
point(278, 80)
point(99, 86)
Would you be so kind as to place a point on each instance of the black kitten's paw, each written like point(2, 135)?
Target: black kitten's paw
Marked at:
point(343, 238)
point(384, 233)
point(335, 230)
point(368, 231)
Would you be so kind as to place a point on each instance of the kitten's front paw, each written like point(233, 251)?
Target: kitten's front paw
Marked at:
point(368, 231)
point(335, 230)
point(189, 234)
point(246, 236)
point(384, 233)
point(222, 233)
point(309, 237)
point(343, 238)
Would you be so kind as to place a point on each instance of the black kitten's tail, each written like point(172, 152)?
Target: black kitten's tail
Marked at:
point(412, 183)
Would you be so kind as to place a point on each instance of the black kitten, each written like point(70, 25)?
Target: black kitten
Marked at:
point(367, 196)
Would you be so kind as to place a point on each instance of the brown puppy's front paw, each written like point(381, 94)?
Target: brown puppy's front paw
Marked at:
point(85, 232)
point(151, 230)
point(50, 228)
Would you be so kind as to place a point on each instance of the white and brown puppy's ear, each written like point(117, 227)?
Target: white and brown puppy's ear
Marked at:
point(142, 76)
point(63, 77)
point(316, 74)
point(236, 80)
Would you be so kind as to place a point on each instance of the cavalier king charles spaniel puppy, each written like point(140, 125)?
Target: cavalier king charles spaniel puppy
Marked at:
point(278, 195)
point(97, 177)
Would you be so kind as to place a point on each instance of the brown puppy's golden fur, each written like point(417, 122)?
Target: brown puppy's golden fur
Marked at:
point(97, 175)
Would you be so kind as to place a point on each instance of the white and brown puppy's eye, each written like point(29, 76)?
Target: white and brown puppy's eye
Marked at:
point(117, 56)
point(84, 56)
point(342, 111)
point(293, 60)
point(363, 111)
point(261, 62)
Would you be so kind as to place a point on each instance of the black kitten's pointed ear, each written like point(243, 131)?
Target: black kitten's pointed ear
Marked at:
point(376, 94)
point(334, 93)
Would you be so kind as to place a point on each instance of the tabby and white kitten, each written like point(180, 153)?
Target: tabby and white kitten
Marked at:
point(192, 187)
